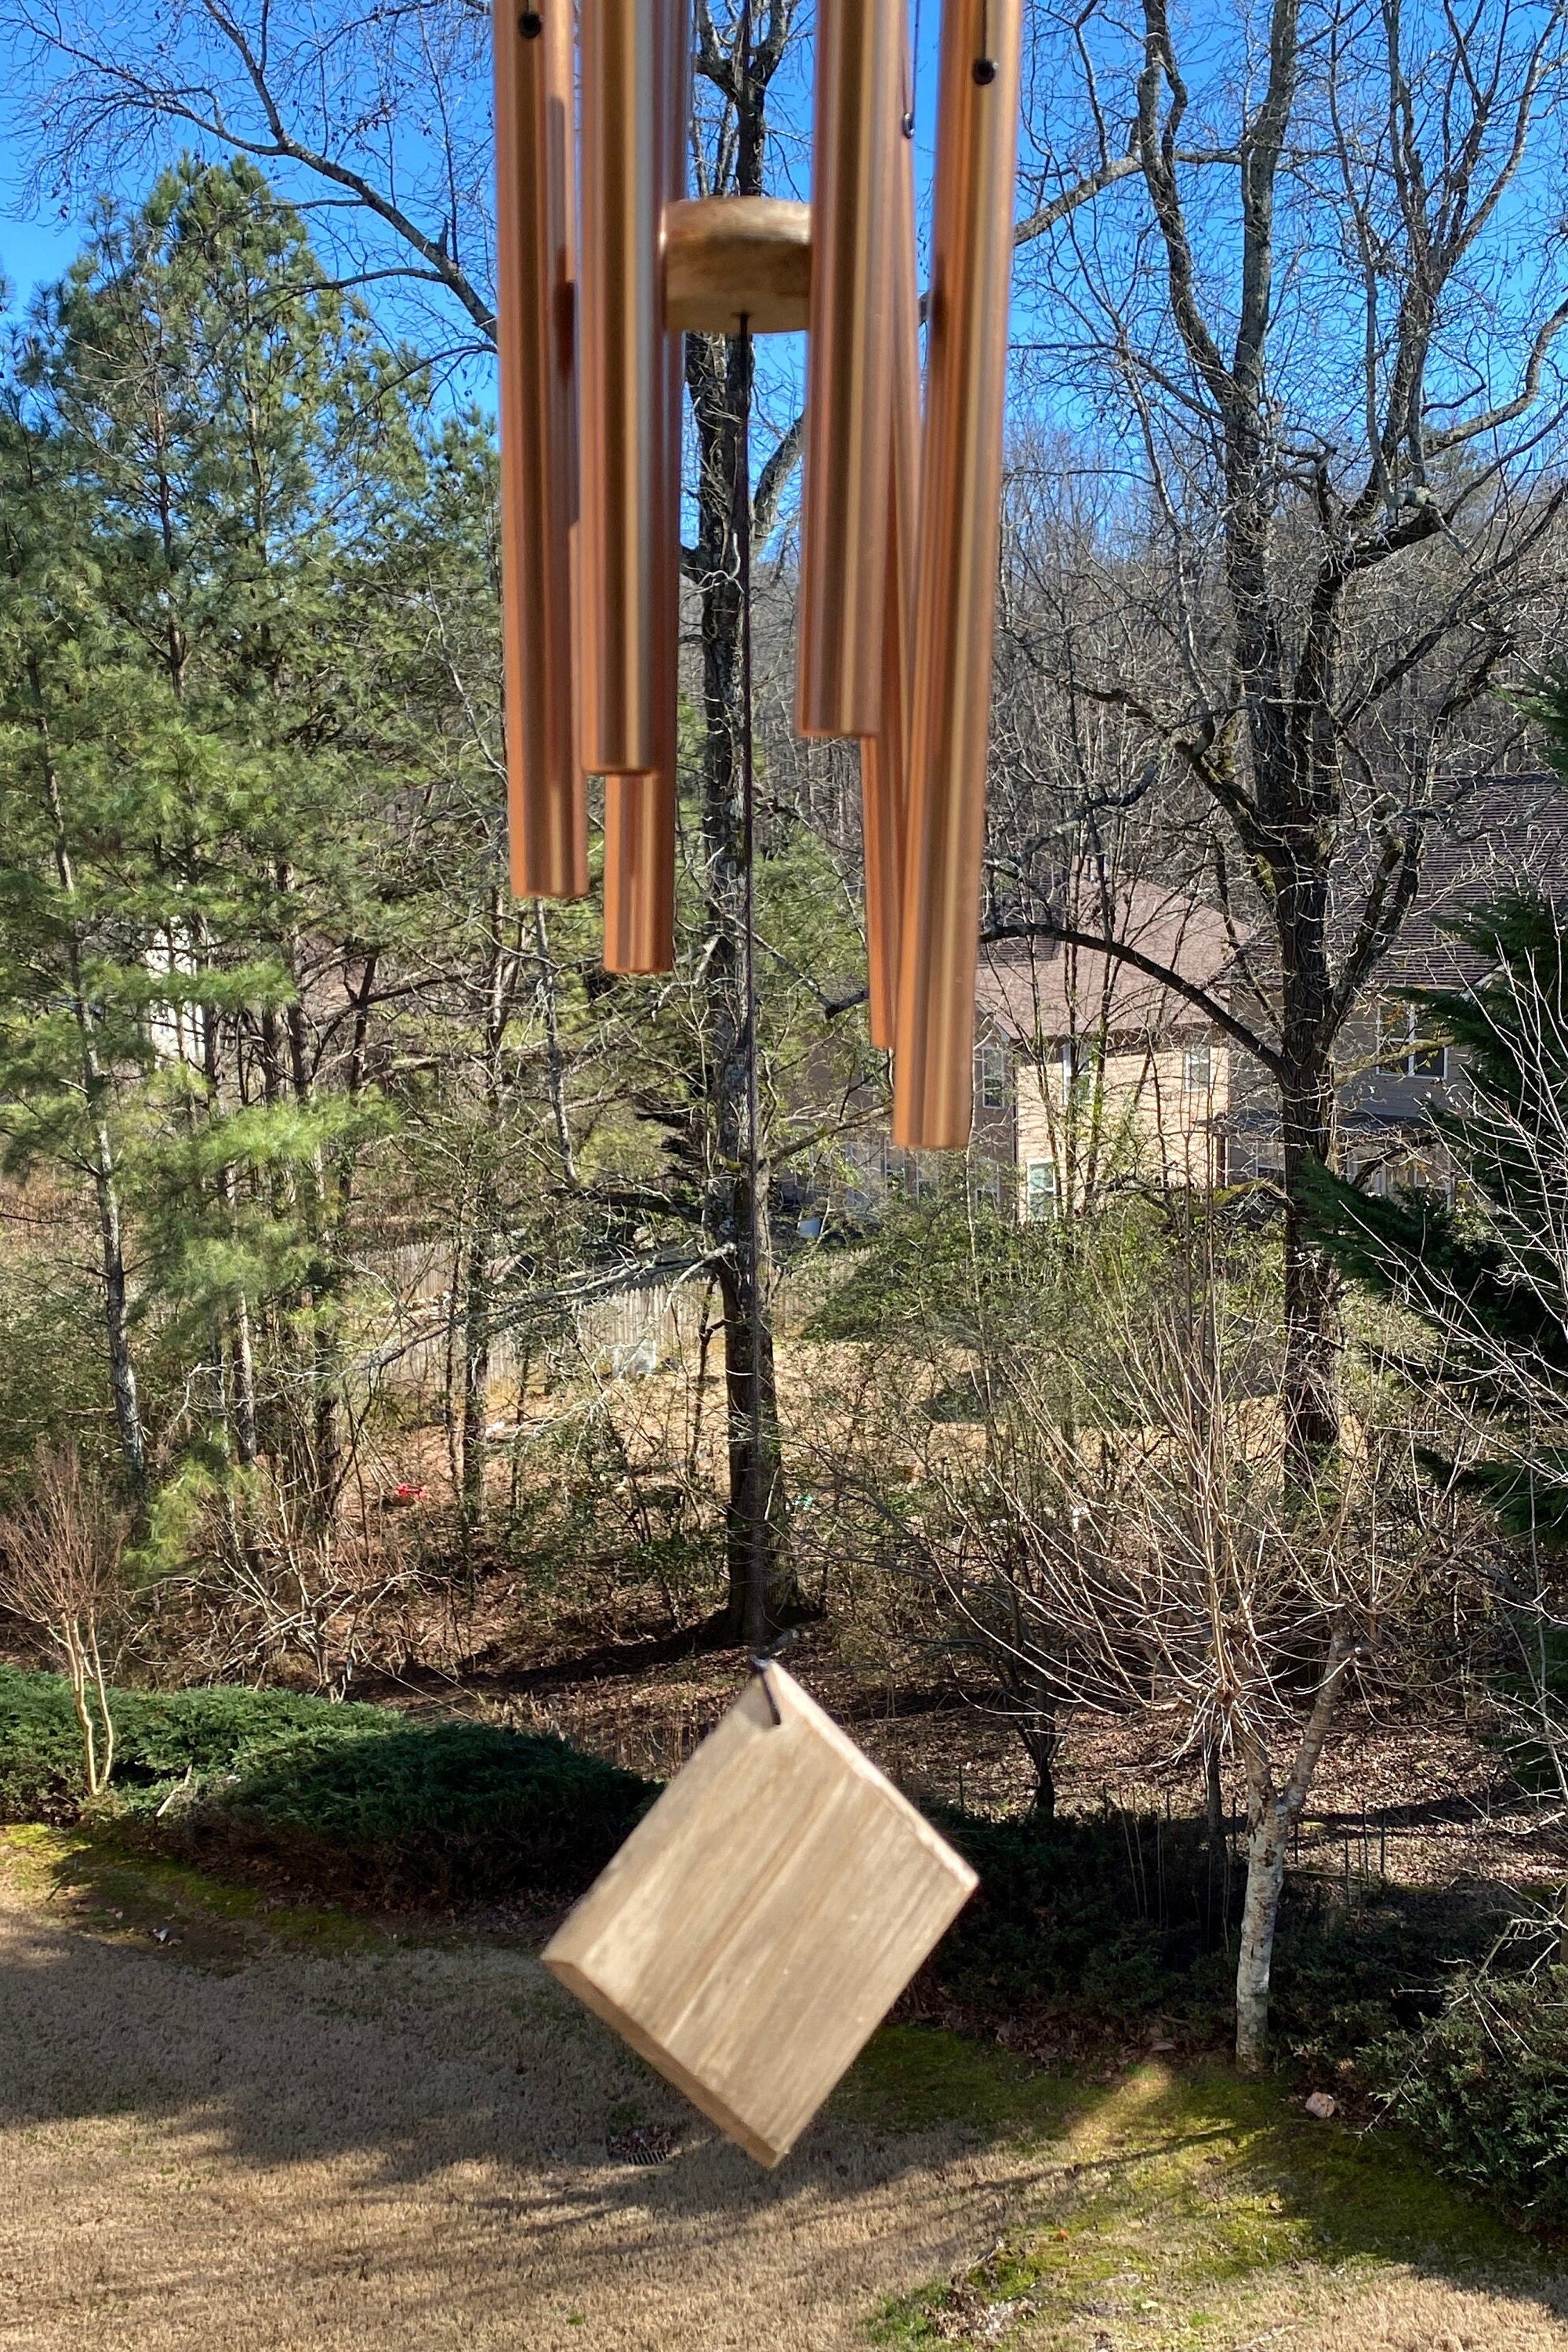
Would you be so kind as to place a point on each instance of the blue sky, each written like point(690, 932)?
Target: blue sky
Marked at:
point(1523, 270)
point(32, 252)
point(36, 247)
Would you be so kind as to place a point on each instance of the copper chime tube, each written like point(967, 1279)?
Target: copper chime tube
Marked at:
point(639, 811)
point(860, 68)
point(884, 757)
point(534, 206)
point(622, 363)
point(961, 489)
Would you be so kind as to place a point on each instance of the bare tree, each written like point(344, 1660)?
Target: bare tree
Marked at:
point(1330, 512)
point(61, 1572)
point(1117, 1532)
point(1481, 1290)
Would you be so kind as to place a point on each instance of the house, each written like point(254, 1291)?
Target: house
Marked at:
point(1395, 1068)
point(1094, 1074)
point(1089, 1073)
point(1110, 1076)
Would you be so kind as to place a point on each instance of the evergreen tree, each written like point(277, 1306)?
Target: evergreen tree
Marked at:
point(75, 721)
point(205, 620)
point(1486, 1271)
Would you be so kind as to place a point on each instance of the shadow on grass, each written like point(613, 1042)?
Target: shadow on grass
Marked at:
point(273, 2033)
point(1167, 2192)
point(287, 2036)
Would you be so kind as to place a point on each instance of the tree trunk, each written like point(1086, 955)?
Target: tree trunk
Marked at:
point(1272, 1815)
point(1214, 1793)
point(1310, 1389)
point(762, 1593)
point(116, 1310)
point(1268, 1843)
point(245, 1437)
point(1033, 1705)
point(1039, 1737)
point(321, 1460)
point(106, 1192)
point(554, 1057)
point(761, 1589)
point(476, 1379)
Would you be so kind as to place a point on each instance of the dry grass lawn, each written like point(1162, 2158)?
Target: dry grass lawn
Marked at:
point(226, 2129)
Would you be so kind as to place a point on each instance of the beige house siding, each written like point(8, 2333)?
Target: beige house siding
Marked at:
point(1148, 1116)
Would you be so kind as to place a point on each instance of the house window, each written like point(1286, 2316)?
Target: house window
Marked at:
point(1076, 1059)
point(1402, 1051)
point(1040, 1192)
point(1197, 1069)
point(992, 1074)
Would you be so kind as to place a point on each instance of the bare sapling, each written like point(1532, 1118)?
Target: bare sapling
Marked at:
point(62, 1572)
point(1153, 1555)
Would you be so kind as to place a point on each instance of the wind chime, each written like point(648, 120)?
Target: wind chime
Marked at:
point(765, 1914)
point(604, 265)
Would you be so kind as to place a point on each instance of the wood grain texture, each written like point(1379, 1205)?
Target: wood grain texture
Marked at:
point(757, 1926)
point(726, 258)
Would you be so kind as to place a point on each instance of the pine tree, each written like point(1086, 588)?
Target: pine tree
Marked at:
point(1486, 1271)
point(223, 460)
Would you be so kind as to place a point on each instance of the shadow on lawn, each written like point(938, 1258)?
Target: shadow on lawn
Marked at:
point(1172, 2188)
point(278, 2036)
point(407, 2058)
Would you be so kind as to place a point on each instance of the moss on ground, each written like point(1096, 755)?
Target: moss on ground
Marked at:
point(1165, 2194)
point(112, 1887)
point(918, 2078)
point(1155, 2209)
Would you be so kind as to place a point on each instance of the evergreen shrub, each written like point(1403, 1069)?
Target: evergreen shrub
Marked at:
point(345, 1799)
point(1485, 2088)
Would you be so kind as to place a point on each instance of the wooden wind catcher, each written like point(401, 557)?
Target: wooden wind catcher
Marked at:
point(604, 264)
point(759, 1923)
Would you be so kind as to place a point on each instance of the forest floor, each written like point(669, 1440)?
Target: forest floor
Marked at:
point(1423, 1797)
point(226, 2121)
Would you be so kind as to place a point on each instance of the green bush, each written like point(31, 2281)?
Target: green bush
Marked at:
point(346, 1800)
point(1346, 1977)
point(1485, 2088)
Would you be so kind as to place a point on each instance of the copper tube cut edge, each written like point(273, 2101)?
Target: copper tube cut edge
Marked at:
point(639, 906)
point(955, 625)
point(879, 797)
point(844, 503)
point(546, 811)
point(622, 336)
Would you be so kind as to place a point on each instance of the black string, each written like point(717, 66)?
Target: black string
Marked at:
point(762, 1662)
point(914, 66)
point(755, 1624)
point(756, 1619)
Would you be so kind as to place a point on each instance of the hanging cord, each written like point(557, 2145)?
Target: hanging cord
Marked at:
point(912, 66)
point(763, 1663)
point(754, 1626)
